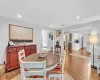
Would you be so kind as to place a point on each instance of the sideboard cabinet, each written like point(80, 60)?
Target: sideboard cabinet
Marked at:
point(12, 55)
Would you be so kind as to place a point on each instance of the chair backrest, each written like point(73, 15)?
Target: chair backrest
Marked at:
point(62, 60)
point(34, 69)
point(21, 55)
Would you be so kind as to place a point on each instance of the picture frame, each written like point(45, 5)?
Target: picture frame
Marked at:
point(51, 37)
point(20, 33)
point(58, 33)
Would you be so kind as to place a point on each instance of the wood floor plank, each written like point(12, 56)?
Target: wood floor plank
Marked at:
point(77, 67)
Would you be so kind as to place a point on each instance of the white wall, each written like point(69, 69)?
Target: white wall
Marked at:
point(4, 38)
point(46, 41)
point(4, 35)
point(50, 41)
point(45, 38)
point(76, 36)
point(86, 42)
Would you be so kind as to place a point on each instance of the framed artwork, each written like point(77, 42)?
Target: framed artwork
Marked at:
point(20, 33)
point(58, 33)
point(51, 37)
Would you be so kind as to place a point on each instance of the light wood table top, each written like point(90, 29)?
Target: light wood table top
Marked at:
point(52, 60)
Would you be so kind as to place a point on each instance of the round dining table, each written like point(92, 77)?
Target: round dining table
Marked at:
point(52, 60)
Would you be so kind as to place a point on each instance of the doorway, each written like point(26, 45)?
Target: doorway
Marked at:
point(47, 40)
point(70, 42)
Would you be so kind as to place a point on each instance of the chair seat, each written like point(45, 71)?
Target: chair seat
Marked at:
point(64, 76)
point(58, 67)
point(55, 71)
point(33, 70)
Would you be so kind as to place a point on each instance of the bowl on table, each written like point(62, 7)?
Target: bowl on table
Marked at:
point(42, 55)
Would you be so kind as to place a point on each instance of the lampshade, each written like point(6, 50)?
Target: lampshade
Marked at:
point(93, 39)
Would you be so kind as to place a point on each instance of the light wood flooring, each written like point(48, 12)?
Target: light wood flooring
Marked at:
point(77, 67)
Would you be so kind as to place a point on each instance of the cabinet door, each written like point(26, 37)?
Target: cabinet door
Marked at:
point(27, 52)
point(13, 59)
point(33, 51)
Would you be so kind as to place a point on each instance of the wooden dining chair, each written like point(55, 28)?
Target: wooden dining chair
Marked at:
point(62, 64)
point(21, 54)
point(34, 68)
point(62, 60)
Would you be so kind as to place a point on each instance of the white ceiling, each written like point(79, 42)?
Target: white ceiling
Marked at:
point(50, 12)
point(85, 28)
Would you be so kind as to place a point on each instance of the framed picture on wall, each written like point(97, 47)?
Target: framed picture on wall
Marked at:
point(20, 33)
point(58, 33)
point(51, 37)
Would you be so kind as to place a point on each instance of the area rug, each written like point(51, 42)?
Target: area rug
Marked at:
point(66, 77)
point(80, 56)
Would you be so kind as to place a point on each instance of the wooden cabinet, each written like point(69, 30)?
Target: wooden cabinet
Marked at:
point(13, 59)
point(12, 55)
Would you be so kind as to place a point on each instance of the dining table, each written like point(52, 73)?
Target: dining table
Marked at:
point(52, 60)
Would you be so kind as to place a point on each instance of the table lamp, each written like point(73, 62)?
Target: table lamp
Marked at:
point(93, 41)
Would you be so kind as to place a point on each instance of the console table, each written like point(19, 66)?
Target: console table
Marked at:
point(57, 49)
point(12, 55)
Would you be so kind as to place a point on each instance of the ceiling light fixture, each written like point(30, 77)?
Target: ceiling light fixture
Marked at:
point(77, 17)
point(19, 16)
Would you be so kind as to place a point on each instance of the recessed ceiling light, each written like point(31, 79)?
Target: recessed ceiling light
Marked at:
point(19, 16)
point(50, 25)
point(77, 17)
